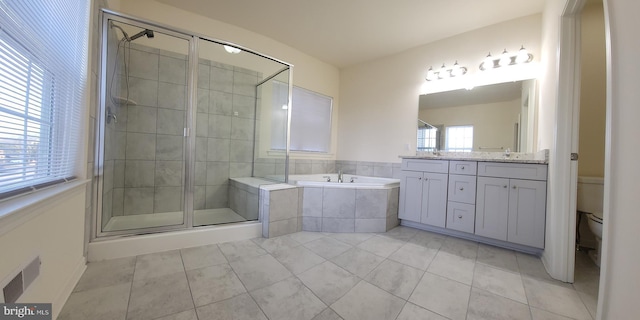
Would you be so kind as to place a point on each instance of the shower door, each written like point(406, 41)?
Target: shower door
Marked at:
point(142, 128)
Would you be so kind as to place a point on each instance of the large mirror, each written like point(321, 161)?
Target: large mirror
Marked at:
point(490, 118)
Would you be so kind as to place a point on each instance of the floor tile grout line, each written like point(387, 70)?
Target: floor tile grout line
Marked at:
point(247, 292)
point(184, 269)
point(133, 276)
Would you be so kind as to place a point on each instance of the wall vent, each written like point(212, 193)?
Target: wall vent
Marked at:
point(18, 284)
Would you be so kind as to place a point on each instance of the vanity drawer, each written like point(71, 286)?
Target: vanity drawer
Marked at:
point(463, 167)
point(436, 166)
point(462, 188)
point(513, 170)
point(461, 216)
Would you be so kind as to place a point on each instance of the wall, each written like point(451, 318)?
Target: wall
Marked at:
point(309, 73)
point(492, 122)
point(54, 233)
point(619, 280)
point(379, 99)
point(592, 92)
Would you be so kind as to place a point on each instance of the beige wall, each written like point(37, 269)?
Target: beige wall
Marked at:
point(492, 122)
point(309, 72)
point(55, 233)
point(379, 99)
point(592, 92)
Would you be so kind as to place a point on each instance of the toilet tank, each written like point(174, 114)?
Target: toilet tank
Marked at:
point(590, 194)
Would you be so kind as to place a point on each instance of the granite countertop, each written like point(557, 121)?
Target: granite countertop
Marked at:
point(540, 157)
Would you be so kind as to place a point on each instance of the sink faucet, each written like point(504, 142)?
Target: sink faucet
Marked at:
point(339, 176)
point(435, 152)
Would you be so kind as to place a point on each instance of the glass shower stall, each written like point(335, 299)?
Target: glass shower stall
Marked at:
point(185, 129)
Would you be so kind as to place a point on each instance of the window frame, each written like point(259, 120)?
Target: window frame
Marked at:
point(448, 137)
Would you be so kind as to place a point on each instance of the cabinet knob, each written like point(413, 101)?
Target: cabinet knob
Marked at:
point(462, 168)
point(514, 187)
point(420, 178)
point(461, 189)
point(459, 217)
point(505, 186)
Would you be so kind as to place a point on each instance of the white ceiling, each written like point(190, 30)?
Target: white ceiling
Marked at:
point(348, 32)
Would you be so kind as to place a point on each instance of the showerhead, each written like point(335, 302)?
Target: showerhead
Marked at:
point(145, 32)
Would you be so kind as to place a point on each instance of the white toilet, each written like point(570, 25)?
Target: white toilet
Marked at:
point(590, 195)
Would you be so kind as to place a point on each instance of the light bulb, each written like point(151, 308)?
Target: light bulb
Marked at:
point(523, 55)
point(430, 74)
point(444, 73)
point(488, 62)
point(231, 49)
point(456, 70)
point(505, 59)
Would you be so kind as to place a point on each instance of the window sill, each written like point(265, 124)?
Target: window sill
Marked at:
point(16, 211)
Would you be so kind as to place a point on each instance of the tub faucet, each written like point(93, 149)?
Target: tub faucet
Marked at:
point(339, 176)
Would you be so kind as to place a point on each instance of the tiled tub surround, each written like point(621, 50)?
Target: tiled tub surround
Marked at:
point(269, 167)
point(348, 207)
point(280, 209)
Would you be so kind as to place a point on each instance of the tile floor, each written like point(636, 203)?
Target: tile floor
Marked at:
point(403, 274)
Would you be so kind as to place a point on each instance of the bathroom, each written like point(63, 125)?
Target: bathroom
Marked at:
point(361, 146)
point(367, 151)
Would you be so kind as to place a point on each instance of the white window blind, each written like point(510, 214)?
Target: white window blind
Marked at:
point(310, 120)
point(43, 64)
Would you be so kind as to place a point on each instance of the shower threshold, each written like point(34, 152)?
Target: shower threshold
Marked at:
point(203, 217)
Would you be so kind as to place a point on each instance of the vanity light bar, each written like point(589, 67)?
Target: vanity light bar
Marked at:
point(443, 73)
point(506, 59)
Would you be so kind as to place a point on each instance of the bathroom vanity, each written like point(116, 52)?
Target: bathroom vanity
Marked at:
point(495, 200)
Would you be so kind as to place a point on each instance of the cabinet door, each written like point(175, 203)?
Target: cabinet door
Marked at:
point(527, 207)
point(410, 204)
point(434, 199)
point(492, 207)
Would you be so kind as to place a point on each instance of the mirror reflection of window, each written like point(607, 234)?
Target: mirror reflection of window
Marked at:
point(427, 137)
point(459, 138)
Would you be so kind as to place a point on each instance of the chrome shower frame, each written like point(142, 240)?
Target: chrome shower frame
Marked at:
point(192, 97)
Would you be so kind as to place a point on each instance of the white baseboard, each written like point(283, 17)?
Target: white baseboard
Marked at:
point(143, 244)
point(66, 291)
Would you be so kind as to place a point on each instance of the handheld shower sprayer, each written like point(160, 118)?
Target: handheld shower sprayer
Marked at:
point(145, 32)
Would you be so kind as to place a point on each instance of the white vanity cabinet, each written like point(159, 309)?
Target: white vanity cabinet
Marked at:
point(500, 203)
point(461, 205)
point(423, 191)
point(511, 202)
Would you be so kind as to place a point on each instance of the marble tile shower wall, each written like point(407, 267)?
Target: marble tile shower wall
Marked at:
point(224, 130)
point(145, 147)
point(113, 65)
